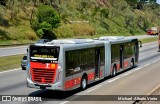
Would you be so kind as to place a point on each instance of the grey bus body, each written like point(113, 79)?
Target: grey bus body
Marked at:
point(78, 59)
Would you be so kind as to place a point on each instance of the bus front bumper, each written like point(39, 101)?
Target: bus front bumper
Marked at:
point(55, 86)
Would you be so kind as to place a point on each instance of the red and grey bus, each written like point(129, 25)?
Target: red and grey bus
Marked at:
point(71, 63)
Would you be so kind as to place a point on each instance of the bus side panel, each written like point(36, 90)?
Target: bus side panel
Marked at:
point(107, 71)
point(127, 62)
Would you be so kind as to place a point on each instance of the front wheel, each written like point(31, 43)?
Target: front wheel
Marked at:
point(84, 83)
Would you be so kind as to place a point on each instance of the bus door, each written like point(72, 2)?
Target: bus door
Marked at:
point(121, 56)
point(97, 63)
point(136, 51)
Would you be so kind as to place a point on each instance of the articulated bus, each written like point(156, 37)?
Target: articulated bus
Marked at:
point(68, 64)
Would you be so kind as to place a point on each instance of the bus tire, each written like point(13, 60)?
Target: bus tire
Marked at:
point(114, 71)
point(132, 63)
point(84, 82)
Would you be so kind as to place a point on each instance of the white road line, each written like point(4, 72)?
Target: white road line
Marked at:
point(146, 65)
point(64, 102)
point(96, 87)
point(113, 79)
point(128, 73)
point(155, 61)
point(138, 68)
point(10, 70)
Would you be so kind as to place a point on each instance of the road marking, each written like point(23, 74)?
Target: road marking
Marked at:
point(64, 102)
point(128, 73)
point(94, 88)
point(155, 61)
point(146, 65)
point(10, 70)
point(113, 79)
point(138, 68)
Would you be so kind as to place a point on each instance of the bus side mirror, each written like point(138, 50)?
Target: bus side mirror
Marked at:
point(140, 43)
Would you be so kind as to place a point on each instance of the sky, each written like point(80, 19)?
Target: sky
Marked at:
point(158, 1)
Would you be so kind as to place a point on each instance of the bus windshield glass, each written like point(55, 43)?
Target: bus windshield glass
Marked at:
point(43, 53)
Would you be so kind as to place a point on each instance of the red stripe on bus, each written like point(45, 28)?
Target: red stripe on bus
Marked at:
point(126, 63)
point(118, 67)
point(71, 83)
point(101, 73)
point(76, 81)
point(91, 76)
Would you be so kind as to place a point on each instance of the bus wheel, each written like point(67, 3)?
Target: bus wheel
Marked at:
point(84, 83)
point(114, 71)
point(132, 63)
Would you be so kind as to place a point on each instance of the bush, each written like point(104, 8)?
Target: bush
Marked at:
point(30, 35)
point(75, 30)
point(3, 35)
point(83, 29)
point(64, 31)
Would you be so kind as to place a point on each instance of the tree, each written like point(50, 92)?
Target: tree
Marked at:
point(46, 20)
point(28, 11)
point(13, 6)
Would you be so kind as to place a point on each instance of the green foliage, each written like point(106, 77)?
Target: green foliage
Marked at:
point(104, 12)
point(75, 30)
point(40, 33)
point(64, 31)
point(46, 26)
point(49, 15)
point(46, 20)
point(29, 19)
point(83, 29)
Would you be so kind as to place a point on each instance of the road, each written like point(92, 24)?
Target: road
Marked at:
point(13, 51)
point(138, 81)
point(22, 49)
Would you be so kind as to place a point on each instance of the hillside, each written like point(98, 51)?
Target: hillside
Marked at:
point(79, 18)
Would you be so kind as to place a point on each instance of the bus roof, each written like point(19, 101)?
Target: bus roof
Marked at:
point(70, 43)
point(116, 39)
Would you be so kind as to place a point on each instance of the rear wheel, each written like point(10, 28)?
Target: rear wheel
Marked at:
point(132, 63)
point(84, 83)
point(114, 71)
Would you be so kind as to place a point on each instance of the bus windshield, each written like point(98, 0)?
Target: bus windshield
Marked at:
point(43, 53)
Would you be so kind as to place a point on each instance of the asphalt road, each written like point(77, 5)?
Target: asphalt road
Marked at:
point(22, 49)
point(137, 81)
point(13, 51)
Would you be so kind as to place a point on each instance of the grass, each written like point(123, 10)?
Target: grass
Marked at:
point(10, 62)
point(14, 61)
point(148, 40)
point(8, 42)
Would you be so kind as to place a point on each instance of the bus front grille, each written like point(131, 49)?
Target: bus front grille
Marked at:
point(43, 75)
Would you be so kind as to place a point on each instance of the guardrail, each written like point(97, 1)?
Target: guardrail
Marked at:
point(18, 44)
point(154, 92)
